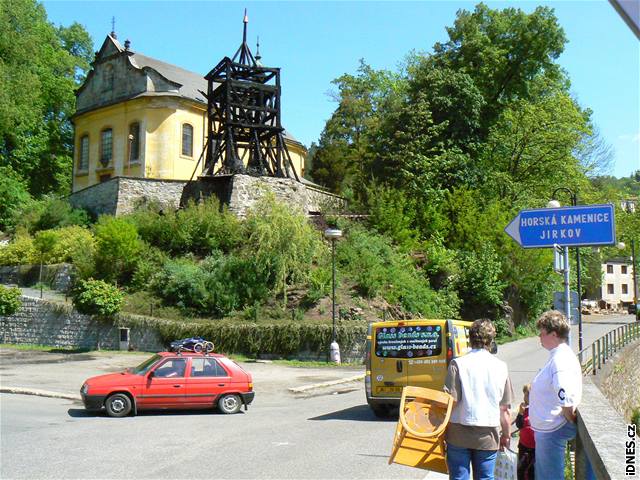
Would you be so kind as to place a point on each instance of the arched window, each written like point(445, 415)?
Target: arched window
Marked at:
point(83, 154)
point(106, 146)
point(187, 140)
point(134, 142)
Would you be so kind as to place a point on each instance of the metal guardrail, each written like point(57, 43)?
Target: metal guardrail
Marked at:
point(606, 346)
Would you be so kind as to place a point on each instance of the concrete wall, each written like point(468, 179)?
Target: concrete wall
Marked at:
point(41, 322)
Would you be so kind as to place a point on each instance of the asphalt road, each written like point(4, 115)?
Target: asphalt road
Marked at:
point(329, 433)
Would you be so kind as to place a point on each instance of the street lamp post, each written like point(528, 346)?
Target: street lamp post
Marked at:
point(334, 350)
point(574, 201)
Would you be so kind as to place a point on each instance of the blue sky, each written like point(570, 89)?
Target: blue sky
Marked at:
point(316, 42)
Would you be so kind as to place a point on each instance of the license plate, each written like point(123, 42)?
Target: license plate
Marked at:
point(389, 389)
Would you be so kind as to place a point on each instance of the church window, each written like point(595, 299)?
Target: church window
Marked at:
point(106, 147)
point(187, 140)
point(134, 142)
point(83, 160)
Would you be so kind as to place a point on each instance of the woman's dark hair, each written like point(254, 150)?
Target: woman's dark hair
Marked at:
point(482, 333)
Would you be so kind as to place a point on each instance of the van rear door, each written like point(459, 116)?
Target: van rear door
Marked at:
point(388, 365)
point(427, 361)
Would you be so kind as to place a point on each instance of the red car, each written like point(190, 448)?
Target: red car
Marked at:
point(171, 380)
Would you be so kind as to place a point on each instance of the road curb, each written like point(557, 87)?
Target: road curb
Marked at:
point(39, 393)
point(305, 388)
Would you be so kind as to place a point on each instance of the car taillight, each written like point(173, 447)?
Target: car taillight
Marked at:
point(449, 354)
point(250, 386)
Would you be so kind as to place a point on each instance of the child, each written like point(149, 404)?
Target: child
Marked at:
point(527, 443)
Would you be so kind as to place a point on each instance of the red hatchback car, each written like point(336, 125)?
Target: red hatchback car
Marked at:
point(171, 380)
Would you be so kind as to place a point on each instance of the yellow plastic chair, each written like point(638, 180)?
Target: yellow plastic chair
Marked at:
point(419, 437)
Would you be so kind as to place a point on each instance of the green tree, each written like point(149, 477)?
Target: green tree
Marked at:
point(14, 195)
point(344, 144)
point(40, 67)
point(10, 301)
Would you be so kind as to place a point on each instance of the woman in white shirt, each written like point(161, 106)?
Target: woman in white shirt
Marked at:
point(479, 426)
point(556, 391)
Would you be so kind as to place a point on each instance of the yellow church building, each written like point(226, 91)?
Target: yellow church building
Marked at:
point(140, 117)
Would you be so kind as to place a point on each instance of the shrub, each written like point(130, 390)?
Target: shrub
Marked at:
point(281, 242)
point(21, 251)
point(378, 268)
point(63, 244)
point(51, 212)
point(96, 297)
point(182, 283)
point(149, 264)
point(117, 248)
point(199, 228)
point(10, 301)
point(217, 286)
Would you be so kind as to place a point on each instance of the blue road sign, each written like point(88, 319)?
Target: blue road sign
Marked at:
point(577, 226)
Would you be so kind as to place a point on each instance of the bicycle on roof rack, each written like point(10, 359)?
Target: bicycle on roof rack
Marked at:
point(193, 344)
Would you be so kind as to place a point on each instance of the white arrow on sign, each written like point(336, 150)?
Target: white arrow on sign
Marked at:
point(513, 229)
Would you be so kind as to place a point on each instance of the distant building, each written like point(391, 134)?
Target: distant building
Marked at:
point(617, 283)
point(141, 117)
point(629, 205)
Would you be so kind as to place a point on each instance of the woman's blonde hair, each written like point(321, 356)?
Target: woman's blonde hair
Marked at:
point(554, 321)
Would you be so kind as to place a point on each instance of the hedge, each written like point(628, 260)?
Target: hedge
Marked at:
point(283, 339)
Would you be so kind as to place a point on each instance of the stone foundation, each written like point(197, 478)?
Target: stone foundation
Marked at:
point(122, 195)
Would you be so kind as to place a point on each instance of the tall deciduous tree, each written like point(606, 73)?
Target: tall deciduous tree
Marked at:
point(40, 66)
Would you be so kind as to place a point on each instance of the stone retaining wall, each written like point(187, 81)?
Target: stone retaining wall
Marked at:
point(57, 276)
point(42, 322)
point(621, 383)
point(121, 195)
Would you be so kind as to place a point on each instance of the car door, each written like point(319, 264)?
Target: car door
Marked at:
point(388, 365)
point(207, 380)
point(165, 385)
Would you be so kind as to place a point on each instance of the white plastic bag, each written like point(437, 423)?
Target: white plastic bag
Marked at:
point(506, 465)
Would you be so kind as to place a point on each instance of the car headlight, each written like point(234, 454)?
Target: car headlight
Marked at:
point(85, 389)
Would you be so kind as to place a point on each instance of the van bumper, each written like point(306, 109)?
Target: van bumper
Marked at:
point(395, 401)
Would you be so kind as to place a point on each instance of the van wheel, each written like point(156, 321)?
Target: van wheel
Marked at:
point(380, 410)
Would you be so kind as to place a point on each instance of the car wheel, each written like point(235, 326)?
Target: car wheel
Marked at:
point(230, 403)
point(118, 405)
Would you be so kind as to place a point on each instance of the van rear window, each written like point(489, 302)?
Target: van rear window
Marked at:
point(409, 342)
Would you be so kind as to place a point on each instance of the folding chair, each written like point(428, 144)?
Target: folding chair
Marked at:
point(419, 437)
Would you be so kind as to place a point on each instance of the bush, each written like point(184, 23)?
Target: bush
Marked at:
point(10, 301)
point(95, 297)
point(217, 286)
point(117, 248)
point(199, 228)
point(51, 212)
point(379, 269)
point(64, 244)
point(150, 263)
point(21, 251)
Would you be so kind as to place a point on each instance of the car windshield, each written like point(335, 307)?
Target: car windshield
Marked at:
point(146, 365)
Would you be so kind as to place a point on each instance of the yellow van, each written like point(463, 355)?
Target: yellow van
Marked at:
point(410, 352)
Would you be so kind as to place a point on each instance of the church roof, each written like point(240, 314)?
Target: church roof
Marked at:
point(190, 82)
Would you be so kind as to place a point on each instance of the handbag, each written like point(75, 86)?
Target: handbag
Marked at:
point(506, 465)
